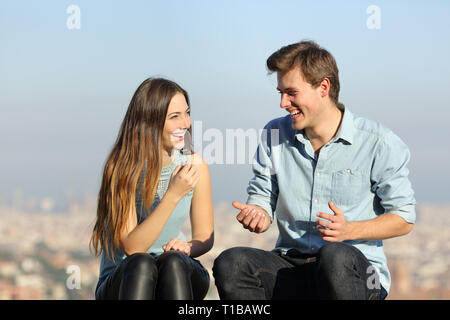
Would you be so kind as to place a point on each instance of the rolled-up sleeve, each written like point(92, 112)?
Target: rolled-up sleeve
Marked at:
point(263, 187)
point(390, 176)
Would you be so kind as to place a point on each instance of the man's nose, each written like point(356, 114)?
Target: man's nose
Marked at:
point(285, 102)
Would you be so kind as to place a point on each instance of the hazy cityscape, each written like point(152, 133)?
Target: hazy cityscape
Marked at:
point(45, 255)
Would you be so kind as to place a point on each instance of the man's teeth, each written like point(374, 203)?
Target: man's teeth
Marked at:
point(295, 113)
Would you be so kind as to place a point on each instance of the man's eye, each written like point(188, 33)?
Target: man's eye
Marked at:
point(289, 93)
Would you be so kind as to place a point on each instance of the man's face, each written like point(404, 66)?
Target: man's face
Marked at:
point(299, 98)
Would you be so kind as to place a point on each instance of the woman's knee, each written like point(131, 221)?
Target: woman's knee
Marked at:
point(173, 261)
point(141, 264)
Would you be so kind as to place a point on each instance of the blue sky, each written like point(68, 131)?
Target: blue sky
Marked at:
point(64, 92)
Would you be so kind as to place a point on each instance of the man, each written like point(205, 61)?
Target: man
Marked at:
point(338, 184)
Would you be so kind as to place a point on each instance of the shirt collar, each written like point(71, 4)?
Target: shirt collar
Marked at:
point(346, 129)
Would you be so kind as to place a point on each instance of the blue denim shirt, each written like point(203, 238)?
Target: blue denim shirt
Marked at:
point(362, 170)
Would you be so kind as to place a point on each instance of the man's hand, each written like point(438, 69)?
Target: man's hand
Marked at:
point(336, 228)
point(252, 217)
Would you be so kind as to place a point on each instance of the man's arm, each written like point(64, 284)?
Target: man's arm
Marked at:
point(252, 217)
point(384, 226)
point(390, 182)
point(258, 213)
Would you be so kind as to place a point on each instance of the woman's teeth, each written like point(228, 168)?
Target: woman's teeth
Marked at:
point(178, 133)
point(178, 136)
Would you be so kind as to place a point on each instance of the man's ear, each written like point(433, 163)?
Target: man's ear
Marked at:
point(324, 87)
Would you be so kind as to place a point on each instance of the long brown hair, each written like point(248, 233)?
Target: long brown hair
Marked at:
point(138, 142)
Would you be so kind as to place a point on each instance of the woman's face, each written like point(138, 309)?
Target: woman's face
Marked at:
point(178, 121)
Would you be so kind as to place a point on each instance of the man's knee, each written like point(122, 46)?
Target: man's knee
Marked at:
point(226, 264)
point(342, 272)
point(337, 254)
point(338, 262)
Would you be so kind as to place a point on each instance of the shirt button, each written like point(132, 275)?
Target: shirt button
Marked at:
point(318, 174)
point(315, 200)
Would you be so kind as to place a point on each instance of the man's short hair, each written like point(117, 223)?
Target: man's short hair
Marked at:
point(315, 64)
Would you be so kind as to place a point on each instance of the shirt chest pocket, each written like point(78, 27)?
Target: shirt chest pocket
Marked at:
point(346, 187)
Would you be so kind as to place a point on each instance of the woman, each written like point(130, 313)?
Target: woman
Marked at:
point(150, 185)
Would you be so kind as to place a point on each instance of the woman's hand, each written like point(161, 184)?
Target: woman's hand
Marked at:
point(183, 180)
point(178, 245)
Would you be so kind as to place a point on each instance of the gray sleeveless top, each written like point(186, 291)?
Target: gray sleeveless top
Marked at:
point(172, 228)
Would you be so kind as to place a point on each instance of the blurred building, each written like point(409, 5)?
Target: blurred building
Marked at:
point(37, 248)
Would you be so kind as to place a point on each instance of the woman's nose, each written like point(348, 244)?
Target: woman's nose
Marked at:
point(186, 122)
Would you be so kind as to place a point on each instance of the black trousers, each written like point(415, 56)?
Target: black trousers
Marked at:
point(338, 271)
point(171, 276)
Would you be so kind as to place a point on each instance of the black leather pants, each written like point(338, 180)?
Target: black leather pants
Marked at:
point(171, 276)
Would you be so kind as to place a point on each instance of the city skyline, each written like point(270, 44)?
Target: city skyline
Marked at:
point(46, 256)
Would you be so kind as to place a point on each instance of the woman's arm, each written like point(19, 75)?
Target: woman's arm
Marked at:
point(202, 212)
point(138, 238)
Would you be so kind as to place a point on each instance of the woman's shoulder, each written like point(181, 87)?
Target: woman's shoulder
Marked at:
point(198, 160)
